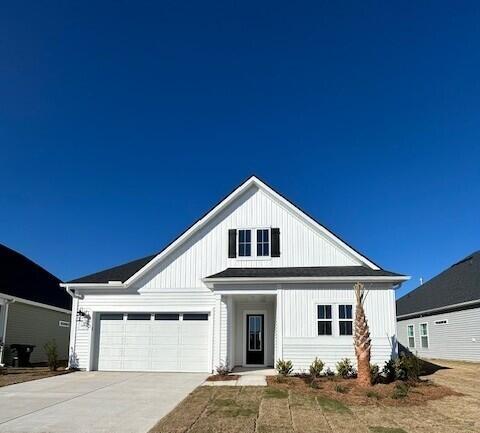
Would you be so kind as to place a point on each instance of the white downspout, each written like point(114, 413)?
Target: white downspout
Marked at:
point(4, 331)
point(73, 324)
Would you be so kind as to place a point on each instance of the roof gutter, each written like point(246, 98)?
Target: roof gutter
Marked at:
point(109, 285)
point(270, 280)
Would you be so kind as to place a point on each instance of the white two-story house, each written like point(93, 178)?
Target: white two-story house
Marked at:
point(254, 280)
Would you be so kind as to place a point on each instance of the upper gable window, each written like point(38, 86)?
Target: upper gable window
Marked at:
point(244, 243)
point(254, 243)
point(263, 243)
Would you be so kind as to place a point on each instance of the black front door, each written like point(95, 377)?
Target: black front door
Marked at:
point(255, 346)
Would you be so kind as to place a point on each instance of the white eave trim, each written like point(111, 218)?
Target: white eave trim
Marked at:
point(34, 304)
point(256, 280)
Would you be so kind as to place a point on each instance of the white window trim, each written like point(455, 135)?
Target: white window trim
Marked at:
point(253, 244)
point(331, 320)
point(345, 320)
point(427, 335)
point(335, 319)
point(411, 326)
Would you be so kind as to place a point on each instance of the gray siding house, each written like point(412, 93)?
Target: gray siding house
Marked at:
point(33, 308)
point(441, 318)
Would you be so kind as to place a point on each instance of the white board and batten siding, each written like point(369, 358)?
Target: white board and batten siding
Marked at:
point(205, 253)
point(301, 342)
point(454, 335)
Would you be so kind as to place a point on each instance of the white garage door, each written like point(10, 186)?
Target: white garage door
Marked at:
point(154, 342)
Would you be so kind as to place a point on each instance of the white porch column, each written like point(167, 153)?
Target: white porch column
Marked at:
point(230, 337)
point(217, 336)
point(278, 351)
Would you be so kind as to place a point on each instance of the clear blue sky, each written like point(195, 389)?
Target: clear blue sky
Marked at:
point(122, 122)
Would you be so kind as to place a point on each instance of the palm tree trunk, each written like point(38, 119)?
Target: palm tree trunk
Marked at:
point(362, 340)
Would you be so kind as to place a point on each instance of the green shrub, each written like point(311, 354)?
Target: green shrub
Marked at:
point(375, 372)
point(345, 368)
point(283, 367)
point(408, 367)
point(400, 391)
point(389, 370)
point(51, 351)
point(316, 368)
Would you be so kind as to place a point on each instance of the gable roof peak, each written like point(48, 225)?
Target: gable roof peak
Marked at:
point(147, 263)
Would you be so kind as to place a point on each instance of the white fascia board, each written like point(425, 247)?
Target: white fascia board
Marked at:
point(35, 304)
point(115, 285)
point(246, 292)
point(375, 279)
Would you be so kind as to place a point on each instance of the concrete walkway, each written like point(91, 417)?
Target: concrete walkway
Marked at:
point(93, 402)
point(248, 377)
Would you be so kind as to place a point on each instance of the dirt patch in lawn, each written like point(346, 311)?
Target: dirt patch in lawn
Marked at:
point(19, 375)
point(347, 392)
point(218, 377)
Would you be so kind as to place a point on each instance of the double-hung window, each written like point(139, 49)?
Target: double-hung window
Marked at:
point(324, 319)
point(244, 243)
point(263, 243)
point(411, 336)
point(424, 335)
point(345, 320)
point(247, 246)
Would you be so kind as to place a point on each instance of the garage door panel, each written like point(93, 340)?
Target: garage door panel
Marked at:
point(137, 340)
point(162, 341)
point(165, 342)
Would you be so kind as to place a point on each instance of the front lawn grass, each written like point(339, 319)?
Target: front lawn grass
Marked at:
point(294, 406)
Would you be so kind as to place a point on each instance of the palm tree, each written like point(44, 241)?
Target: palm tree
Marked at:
point(362, 340)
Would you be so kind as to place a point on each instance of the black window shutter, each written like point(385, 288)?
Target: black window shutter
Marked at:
point(275, 243)
point(232, 243)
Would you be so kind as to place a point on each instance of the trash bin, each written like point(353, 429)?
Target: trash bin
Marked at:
point(23, 352)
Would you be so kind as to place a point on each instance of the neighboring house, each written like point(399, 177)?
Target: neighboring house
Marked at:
point(441, 318)
point(33, 308)
point(254, 280)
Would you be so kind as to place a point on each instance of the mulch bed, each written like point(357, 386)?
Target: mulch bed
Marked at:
point(348, 392)
point(19, 375)
point(219, 377)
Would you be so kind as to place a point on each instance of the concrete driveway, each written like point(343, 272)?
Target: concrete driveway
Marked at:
point(93, 402)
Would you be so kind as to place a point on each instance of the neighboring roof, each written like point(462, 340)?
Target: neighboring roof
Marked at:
point(312, 271)
point(23, 278)
point(128, 270)
point(458, 284)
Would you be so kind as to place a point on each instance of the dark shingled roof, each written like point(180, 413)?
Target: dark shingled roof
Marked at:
point(24, 279)
point(118, 273)
point(312, 271)
point(457, 284)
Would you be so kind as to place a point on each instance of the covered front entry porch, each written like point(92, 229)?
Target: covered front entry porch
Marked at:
point(251, 330)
